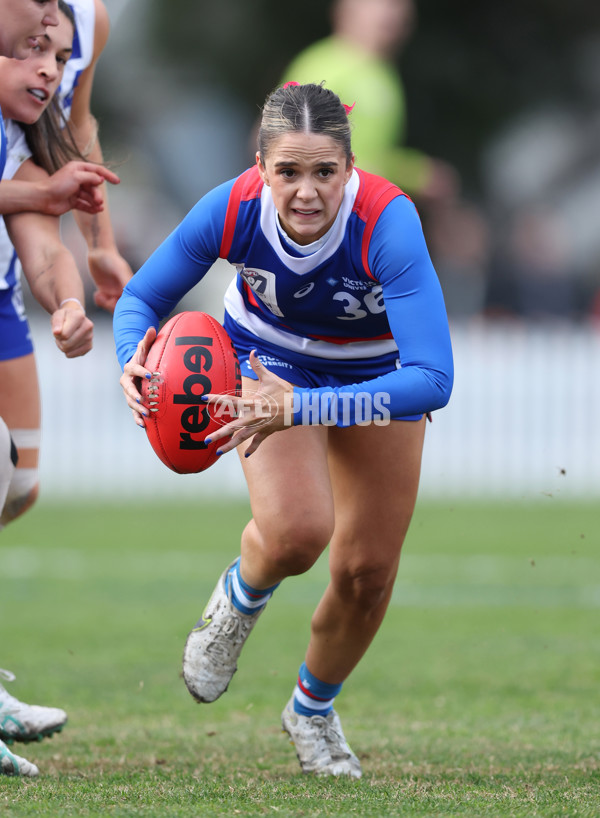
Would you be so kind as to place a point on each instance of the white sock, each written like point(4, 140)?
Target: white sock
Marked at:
point(7, 461)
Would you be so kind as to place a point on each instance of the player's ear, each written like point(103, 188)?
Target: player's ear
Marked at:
point(261, 168)
point(349, 169)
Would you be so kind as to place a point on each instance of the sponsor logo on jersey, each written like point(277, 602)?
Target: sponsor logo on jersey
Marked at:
point(304, 290)
point(354, 284)
point(263, 285)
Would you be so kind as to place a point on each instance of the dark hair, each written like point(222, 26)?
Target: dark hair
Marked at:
point(309, 108)
point(49, 139)
point(68, 12)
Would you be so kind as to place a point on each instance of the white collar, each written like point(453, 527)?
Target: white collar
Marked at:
point(305, 249)
point(319, 251)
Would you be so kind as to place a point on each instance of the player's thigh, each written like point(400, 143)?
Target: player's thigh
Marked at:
point(289, 486)
point(20, 401)
point(375, 474)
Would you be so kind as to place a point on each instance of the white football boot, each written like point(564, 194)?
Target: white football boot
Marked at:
point(11, 764)
point(26, 722)
point(320, 743)
point(214, 645)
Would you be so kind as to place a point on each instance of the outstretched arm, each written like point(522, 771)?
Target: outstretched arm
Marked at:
point(76, 185)
point(109, 270)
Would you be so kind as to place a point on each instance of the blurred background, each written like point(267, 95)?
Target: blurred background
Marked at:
point(507, 92)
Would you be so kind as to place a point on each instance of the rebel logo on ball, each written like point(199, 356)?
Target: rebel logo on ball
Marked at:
point(198, 360)
point(191, 357)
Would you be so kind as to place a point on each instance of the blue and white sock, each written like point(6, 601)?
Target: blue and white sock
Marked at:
point(246, 599)
point(312, 697)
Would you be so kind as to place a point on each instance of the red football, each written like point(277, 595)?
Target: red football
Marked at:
point(191, 356)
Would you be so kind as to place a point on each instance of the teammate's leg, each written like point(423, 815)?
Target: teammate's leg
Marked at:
point(20, 409)
point(26, 722)
point(12, 764)
point(8, 461)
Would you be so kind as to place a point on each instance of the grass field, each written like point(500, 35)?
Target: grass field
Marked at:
point(479, 697)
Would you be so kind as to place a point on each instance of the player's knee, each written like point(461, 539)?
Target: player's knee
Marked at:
point(364, 584)
point(22, 494)
point(294, 545)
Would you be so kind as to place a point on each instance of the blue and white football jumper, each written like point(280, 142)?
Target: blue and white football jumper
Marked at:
point(2, 146)
point(359, 314)
point(15, 337)
point(83, 51)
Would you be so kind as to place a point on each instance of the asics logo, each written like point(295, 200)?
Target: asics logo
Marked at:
point(304, 290)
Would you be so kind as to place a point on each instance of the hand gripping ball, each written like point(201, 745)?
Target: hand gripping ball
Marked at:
point(191, 356)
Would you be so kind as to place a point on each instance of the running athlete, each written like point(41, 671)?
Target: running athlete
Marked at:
point(340, 326)
point(27, 88)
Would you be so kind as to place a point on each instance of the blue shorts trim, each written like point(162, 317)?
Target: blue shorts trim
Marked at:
point(15, 333)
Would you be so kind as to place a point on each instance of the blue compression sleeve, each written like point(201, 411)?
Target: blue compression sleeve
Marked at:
point(176, 266)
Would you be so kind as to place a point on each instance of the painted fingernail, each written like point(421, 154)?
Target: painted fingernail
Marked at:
point(208, 441)
point(203, 398)
point(147, 376)
point(219, 452)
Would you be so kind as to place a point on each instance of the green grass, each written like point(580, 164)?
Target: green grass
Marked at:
point(479, 696)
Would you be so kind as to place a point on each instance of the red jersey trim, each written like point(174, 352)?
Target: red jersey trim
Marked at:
point(370, 202)
point(250, 295)
point(336, 340)
point(247, 186)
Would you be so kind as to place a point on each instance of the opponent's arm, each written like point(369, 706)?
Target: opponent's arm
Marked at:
point(76, 185)
point(51, 273)
point(109, 270)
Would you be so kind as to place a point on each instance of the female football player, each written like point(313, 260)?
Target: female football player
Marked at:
point(340, 326)
point(27, 95)
point(108, 269)
point(22, 22)
point(16, 718)
point(17, 32)
point(23, 25)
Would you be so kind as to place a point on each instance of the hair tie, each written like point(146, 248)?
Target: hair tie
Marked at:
point(347, 108)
